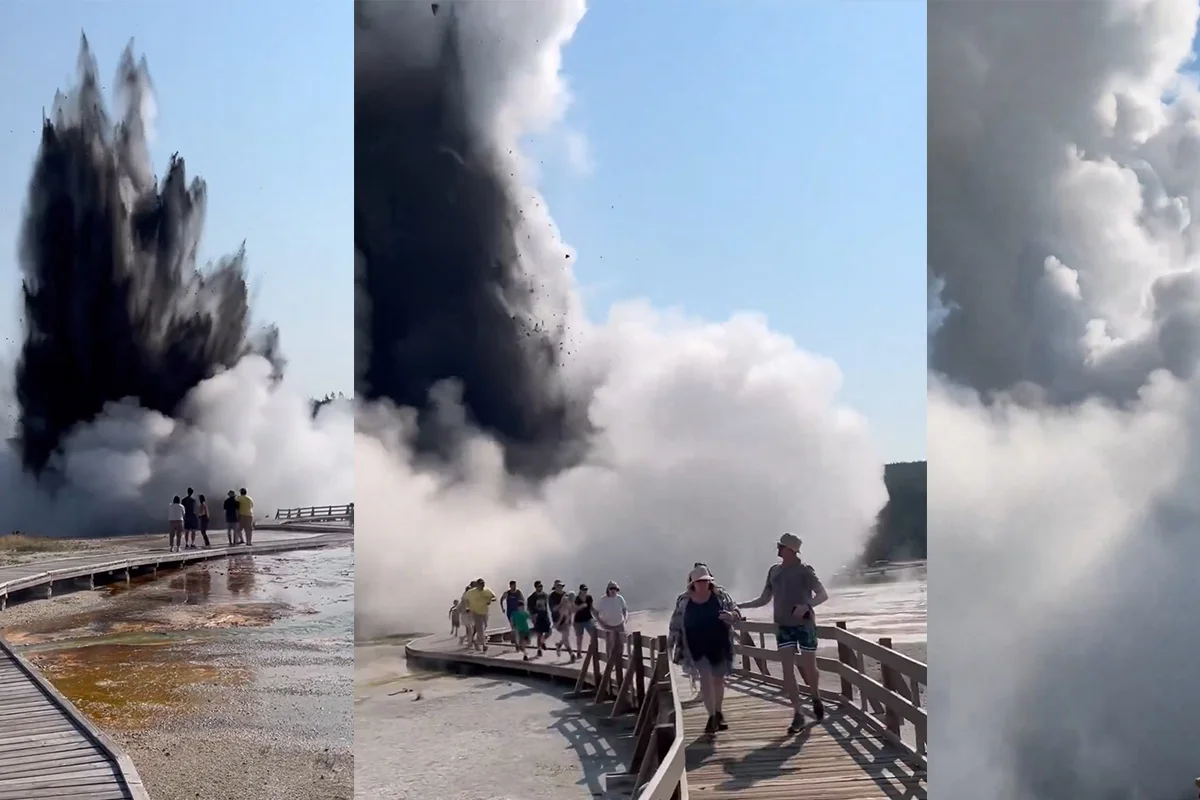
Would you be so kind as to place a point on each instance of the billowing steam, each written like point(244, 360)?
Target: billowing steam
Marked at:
point(576, 450)
point(1064, 164)
point(139, 374)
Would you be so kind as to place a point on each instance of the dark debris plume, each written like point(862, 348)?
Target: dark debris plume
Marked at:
point(114, 305)
point(442, 295)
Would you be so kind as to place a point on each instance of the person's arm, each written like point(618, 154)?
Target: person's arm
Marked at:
point(763, 598)
point(624, 610)
point(503, 602)
point(819, 593)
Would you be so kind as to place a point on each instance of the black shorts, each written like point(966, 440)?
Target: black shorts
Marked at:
point(190, 522)
point(541, 623)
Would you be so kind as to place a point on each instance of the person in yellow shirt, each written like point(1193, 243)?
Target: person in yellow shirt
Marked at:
point(246, 516)
point(479, 602)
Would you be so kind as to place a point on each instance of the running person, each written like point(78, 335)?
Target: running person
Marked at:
point(795, 591)
point(585, 617)
point(554, 604)
point(612, 615)
point(689, 670)
point(702, 628)
point(479, 601)
point(468, 624)
point(563, 622)
point(539, 608)
point(509, 600)
point(520, 620)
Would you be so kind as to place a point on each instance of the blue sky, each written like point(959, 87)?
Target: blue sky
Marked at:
point(765, 155)
point(257, 98)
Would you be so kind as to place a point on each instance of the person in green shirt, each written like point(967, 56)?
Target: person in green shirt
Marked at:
point(522, 626)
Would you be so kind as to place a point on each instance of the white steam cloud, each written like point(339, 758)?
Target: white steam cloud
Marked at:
point(1063, 418)
point(119, 472)
point(716, 437)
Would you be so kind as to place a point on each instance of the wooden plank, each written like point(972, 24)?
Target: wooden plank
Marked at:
point(755, 759)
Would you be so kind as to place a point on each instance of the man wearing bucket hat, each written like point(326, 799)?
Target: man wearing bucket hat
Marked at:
point(795, 591)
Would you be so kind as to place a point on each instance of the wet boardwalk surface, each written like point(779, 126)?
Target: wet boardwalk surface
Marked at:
point(47, 750)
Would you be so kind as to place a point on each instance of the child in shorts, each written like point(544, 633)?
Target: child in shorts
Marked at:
point(455, 618)
point(522, 627)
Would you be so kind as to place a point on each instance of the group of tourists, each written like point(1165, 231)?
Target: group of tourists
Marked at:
point(535, 619)
point(701, 630)
point(188, 516)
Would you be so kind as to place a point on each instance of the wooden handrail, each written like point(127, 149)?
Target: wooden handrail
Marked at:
point(314, 513)
point(893, 700)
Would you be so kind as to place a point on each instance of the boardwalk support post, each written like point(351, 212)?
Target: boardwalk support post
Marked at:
point(892, 682)
point(638, 668)
point(846, 656)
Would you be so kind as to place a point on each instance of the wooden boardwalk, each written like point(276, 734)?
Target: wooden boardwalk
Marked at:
point(858, 752)
point(40, 578)
point(839, 758)
point(48, 748)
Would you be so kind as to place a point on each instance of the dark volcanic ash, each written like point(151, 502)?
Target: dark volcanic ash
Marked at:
point(445, 293)
point(114, 305)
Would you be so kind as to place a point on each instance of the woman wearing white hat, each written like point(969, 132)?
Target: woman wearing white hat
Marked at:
point(702, 628)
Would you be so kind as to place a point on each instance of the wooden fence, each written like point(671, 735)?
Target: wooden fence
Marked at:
point(344, 513)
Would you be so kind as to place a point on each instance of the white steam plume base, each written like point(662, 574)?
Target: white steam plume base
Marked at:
point(119, 472)
point(716, 438)
point(1063, 428)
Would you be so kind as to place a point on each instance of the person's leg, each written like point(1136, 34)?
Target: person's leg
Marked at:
point(787, 640)
point(720, 672)
point(249, 531)
point(204, 531)
point(706, 694)
point(808, 668)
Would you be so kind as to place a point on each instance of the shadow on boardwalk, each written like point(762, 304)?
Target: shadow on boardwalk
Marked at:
point(757, 757)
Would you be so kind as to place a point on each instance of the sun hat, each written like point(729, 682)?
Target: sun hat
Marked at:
point(791, 541)
point(700, 574)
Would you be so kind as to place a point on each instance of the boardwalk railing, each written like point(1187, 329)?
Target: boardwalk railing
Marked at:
point(889, 703)
point(344, 513)
point(641, 680)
